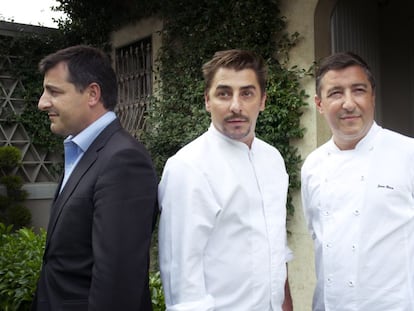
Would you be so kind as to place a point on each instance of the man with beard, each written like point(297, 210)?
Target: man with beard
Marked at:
point(222, 234)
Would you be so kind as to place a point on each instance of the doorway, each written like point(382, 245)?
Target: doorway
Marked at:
point(381, 32)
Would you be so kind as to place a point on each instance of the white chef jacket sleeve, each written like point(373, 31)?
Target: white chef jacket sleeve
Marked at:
point(188, 212)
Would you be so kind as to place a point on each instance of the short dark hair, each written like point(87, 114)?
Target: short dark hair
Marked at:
point(237, 60)
point(340, 61)
point(86, 65)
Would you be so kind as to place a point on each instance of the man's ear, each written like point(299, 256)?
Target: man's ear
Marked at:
point(94, 94)
point(318, 103)
point(263, 102)
point(207, 102)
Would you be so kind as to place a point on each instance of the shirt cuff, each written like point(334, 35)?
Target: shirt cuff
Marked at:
point(205, 304)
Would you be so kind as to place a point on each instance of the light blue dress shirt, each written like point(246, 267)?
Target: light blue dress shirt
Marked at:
point(81, 142)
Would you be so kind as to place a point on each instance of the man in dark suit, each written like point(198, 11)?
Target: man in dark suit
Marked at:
point(97, 247)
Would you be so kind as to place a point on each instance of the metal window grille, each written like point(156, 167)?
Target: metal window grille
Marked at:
point(133, 65)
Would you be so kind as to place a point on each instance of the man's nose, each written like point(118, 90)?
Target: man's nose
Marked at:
point(349, 103)
point(235, 105)
point(44, 102)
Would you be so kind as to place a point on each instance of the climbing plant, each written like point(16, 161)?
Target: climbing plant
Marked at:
point(193, 31)
point(25, 68)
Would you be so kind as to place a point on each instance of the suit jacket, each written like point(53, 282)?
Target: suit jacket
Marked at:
point(97, 246)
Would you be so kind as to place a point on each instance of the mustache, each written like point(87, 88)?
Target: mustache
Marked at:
point(236, 117)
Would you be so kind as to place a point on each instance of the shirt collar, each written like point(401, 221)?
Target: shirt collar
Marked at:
point(85, 138)
point(213, 130)
point(366, 143)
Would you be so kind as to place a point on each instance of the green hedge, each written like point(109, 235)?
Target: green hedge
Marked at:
point(20, 262)
point(12, 208)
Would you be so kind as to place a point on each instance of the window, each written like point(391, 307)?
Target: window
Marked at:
point(133, 65)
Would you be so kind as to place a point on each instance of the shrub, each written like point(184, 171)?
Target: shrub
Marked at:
point(9, 157)
point(20, 261)
point(12, 209)
point(157, 295)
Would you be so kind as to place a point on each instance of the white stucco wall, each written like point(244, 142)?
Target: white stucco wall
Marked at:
point(39, 201)
point(300, 18)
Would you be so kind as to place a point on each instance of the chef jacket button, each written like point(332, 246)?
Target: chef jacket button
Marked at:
point(351, 284)
point(329, 281)
point(328, 245)
point(326, 213)
point(356, 212)
point(353, 247)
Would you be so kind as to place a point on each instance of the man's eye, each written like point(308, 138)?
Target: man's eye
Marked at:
point(53, 92)
point(360, 90)
point(334, 94)
point(223, 94)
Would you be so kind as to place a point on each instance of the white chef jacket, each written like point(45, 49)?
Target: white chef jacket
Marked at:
point(222, 235)
point(359, 207)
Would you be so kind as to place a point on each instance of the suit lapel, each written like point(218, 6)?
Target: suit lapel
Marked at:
point(53, 210)
point(81, 168)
